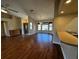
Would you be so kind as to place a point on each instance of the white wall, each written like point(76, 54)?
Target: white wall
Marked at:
point(33, 30)
point(14, 24)
point(11, 24)
point(63, 23)
point(73, 25)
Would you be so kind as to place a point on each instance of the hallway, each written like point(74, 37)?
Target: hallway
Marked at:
point(37, 46)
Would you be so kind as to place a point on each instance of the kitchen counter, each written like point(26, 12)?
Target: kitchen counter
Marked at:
point(68, 38)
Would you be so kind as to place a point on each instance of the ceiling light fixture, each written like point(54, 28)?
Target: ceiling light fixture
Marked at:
point(32, 10)
point(62, 12)
point(3, 11)
point(68, 1)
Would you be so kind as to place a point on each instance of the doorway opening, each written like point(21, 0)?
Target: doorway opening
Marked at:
point(4, 31)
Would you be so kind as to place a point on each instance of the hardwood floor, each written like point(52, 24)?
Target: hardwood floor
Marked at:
point(38, 46)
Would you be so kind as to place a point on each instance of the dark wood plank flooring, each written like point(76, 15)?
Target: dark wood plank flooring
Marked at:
point(38, 46)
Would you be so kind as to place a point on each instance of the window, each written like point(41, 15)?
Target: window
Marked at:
point(45, 27)
point(39, 26)
point(30, 25)
point(50, 26)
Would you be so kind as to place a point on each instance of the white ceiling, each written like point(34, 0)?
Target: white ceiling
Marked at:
point(70, 8)
point(15, 6)
point(43, 9)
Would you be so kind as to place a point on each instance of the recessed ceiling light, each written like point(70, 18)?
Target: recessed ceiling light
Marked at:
point(3, 11)
point(62, 12)
point(68, 1)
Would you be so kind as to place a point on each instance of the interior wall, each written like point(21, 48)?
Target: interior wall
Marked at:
point(73, 25)
point(12, 24)
point(33, 30)
point(66, 22)
point(18, 23)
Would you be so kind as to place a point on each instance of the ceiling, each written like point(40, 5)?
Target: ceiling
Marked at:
point(39, 9)
point(14, 6)
point(36, 9)
point(70, 8)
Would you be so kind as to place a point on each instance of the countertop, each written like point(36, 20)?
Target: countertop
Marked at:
point(68, 38)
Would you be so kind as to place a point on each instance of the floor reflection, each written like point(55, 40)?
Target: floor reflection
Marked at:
point(44, 38)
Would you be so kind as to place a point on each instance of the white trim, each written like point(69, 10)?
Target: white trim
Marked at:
point(22, 27)
point(56, 42)
point(5, 29)
point(63, 53)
